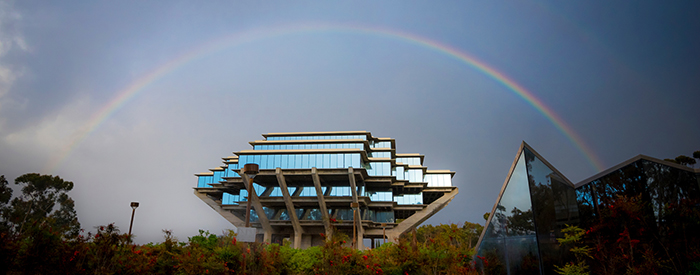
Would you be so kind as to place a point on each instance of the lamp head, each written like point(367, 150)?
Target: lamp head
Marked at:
point(134, 204)
point(251, 170)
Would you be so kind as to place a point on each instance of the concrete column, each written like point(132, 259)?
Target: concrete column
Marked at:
point(267, 236)
point(290, 208)
point(259, 209)
point(358, 218)
point(298, 237)
point(322, 203)
point(420, 216)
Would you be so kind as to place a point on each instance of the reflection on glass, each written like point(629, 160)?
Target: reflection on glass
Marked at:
point(343, 214)
point(204, 181)
point(409, 199)
point(555, 206)
point(510, 242)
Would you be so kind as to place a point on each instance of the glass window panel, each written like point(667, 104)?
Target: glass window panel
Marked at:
point(344, 215)
point(334, 161)
point(284, 216)
point(348, 160)
point(305, 161)
point(296, 161)
point(356, 160)
point(320, 160)
point(277, 161)
point(284, 163)
point(315, 214)
point(338, 160)
point(262, 161)
point(510, 236)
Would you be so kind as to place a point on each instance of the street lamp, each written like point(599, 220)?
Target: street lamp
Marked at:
point(250, 170)
point(134, 205)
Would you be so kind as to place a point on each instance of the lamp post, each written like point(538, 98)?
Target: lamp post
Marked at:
point(250, 170)
point(134, 205)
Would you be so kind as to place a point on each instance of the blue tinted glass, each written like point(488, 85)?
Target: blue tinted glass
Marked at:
point(356, 160)
point(262, 162)
point(326, 160)
point(277, 161)
point(283, 161)
point(243, 195)
point(305, 161)
point(315, 214)
point(334, 161)
point(348, 160)
point(276, 192)
point(341, 160)
point(297, 161)
point(319, 160)
point(270, 162)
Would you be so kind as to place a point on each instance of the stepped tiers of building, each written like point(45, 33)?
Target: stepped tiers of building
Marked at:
point(310, 182)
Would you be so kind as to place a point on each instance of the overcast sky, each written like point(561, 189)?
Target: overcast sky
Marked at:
point(200, 80)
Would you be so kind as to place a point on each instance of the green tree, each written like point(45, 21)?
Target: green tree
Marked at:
point(473, 232)
point(573, 238)
point(44, 203)
point(686, 160)
point(5, 196)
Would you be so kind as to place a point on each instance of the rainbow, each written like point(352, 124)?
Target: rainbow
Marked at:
point(124, 96)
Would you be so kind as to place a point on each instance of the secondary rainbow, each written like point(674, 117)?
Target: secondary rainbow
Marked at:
point(213, 46)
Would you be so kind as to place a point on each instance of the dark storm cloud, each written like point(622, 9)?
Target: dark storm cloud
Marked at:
point(632, 90)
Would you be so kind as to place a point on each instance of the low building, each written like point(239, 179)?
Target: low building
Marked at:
point(536, 202)
point(309, 180)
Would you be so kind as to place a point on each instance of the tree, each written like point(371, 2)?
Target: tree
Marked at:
point(36, 206)
point(473, 231)
point(686, 160)
point(5, 196)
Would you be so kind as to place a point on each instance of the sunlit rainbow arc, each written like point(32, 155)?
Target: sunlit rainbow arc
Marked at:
point(237, 39)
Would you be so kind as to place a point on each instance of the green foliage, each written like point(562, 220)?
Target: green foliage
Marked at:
point(572, 269)
point(686, 160)
point(35, 207)
point(302, 261)
point(573, 237)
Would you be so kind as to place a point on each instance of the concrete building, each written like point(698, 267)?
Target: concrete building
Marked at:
point(309, 180)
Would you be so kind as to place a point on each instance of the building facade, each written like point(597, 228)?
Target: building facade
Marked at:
point(536, 202)
point(308, 182)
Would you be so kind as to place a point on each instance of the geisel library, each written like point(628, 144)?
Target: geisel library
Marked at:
point(312, 181)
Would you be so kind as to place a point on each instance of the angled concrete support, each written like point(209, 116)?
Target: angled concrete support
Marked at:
point(358, 219)
point(233, 219)
point(291, 211)
point(420, 216)
point(322, 203)
point(259, 210)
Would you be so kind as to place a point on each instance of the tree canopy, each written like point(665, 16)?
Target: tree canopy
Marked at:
point(44, 202)
point(686, 160)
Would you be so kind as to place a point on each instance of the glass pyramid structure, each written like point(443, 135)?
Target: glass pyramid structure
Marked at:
point(535, 203)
